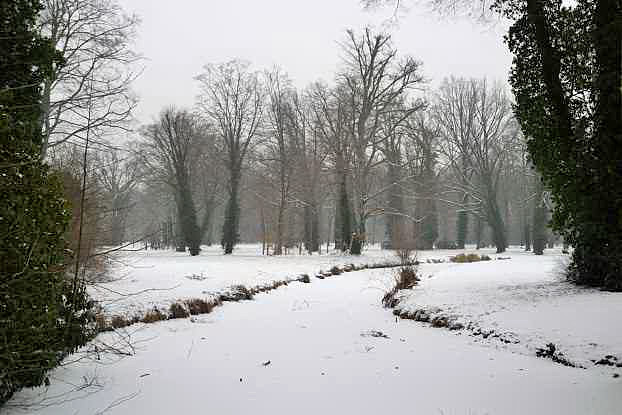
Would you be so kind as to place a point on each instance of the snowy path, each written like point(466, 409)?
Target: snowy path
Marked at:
point(320, 363)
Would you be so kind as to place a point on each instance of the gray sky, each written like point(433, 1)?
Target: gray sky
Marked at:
point(178, 37)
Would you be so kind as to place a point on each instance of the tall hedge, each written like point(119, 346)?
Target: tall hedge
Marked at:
point(42, 318)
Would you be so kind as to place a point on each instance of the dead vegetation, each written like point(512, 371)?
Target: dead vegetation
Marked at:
point(405, 279)
point(468, 258)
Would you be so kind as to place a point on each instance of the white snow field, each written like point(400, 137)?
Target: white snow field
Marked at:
point(145, 279)
point(525, 304)
point(329, 347)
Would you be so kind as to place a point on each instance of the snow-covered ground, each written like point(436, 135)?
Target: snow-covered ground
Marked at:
point(144, 279)
point(330, 347)
point(524, 301)
point(326, 347)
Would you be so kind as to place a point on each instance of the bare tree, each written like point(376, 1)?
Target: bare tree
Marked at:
point(309, 159)
point(332, 121)
point(479, 134)
point(232, 98)
point(455, 112)
point(279, 91)
point(377, 80)
point(421, 148)
point(93, 38)
point(170, 146)
point(118, 177)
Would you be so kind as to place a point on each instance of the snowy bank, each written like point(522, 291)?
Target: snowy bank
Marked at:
point(523, 304)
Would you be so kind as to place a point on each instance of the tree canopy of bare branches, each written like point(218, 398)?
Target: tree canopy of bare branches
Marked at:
point(94, 81)
point(232, 99)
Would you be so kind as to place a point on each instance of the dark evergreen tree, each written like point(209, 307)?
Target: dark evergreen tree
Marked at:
point(566, 77)
point(42, 312)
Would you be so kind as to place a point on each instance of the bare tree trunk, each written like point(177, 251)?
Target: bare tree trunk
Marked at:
point(462, 223)
point(231, 225)
point(479, 232)
point(495, 220)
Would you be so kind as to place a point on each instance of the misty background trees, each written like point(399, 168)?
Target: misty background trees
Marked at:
point(371, 155)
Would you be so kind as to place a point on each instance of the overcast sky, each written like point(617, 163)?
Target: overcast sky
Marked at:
point(178, 37)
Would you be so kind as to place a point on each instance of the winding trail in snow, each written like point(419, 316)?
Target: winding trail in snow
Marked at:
point(323, 358)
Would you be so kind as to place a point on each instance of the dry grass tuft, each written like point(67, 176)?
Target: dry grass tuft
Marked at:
point(177, 310)
point(153, 316)
point(118, 322)
point(198, 306)
point(405, 279)
point(468, 258)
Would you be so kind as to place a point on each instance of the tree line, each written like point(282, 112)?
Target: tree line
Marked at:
point(319, 164)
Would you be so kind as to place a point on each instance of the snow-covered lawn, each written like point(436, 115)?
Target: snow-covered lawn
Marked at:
point(524, 301)
point(144, 279)
point(326, 347)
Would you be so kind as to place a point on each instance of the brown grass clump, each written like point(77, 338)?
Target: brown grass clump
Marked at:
point(100, 322)
point(237, 293)
point(335, 270)
point(153, 316)
point(119, 322)
point(199, 306)
point(176, 310)
point(468, 258)
point(406, 279)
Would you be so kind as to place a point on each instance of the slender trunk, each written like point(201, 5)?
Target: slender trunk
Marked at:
point(280, 224)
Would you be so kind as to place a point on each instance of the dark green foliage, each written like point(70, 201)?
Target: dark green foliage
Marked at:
point(566, 78)
point(42, 316)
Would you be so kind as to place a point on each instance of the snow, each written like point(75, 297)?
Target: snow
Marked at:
point(330, 347)
point(526, 300)
point(145, 279)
